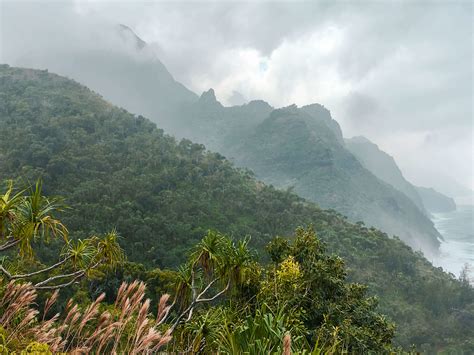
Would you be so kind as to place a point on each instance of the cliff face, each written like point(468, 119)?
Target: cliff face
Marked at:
point(383, 166)
point(435, 201)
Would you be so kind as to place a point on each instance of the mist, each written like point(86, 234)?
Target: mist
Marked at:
point(399, 74)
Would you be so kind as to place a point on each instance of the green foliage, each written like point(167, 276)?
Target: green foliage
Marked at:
point(27, 220)
point(305, 296)
point(37, 349)
point(261, 333)
point(119, 171)
point(312, 285)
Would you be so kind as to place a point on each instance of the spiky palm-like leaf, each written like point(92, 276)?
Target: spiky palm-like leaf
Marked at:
point(210, 253)
point(79, 252)
point(109, 251)
point(8, 206)
point(34, 220)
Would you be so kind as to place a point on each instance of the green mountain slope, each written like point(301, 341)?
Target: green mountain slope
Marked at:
point(383, 166)
point(118, 170)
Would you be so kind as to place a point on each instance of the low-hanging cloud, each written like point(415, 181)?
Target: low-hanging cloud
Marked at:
point(398, 73)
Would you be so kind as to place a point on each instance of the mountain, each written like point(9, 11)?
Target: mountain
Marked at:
point(383, 166)
point(219, 128)
point(120, 171)
point(435, 201)
point(128, 74)
point(303, 149)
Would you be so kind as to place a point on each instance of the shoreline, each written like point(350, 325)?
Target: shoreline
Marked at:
point(457, 248)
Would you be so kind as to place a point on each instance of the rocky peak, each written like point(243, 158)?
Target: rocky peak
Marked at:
point(209, 98)
point(127, 34)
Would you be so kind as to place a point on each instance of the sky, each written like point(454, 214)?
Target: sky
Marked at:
point(397, 72)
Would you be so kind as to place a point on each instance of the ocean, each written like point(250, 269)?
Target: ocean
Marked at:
point(457, 229)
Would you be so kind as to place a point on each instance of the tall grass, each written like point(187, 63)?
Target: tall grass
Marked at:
point(125, 328)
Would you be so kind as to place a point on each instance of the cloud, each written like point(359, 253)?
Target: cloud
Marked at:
point(399, 73)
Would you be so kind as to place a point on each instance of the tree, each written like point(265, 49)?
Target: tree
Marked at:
point(216, 261)
point(312, 286)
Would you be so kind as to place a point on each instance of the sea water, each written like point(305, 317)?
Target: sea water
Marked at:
point(457, 249)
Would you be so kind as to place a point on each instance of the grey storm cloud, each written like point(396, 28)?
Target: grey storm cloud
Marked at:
point(400, 73)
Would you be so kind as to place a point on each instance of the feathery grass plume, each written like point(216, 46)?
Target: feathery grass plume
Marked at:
point(126, 330)
point(50, 302)
point(163, 309)
point(15, 301)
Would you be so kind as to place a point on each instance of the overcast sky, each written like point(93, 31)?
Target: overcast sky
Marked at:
point(400, 73)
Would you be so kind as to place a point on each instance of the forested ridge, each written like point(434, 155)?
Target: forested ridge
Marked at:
point(118, 171)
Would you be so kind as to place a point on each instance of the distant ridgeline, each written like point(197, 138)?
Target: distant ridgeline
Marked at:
point(119, 171)
point(384, 167)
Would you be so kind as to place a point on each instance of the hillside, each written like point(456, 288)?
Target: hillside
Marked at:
point(435, 201)
point(118, 170)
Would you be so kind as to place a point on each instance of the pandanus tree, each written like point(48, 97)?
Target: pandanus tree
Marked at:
point(216, 264)
point(28, 218)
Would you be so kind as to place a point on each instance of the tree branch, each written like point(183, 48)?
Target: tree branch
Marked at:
point(197, 300)
point(216, 295)
point(55, 287)
point(52, 278)
point(75, 275)
point(5, 271)
point(8, 245)
point(206, 289)
point(23, 276)
point(194, 295)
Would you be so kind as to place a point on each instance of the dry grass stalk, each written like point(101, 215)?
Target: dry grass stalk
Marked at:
point(50, 302)
point(287, 344)
point(129, 331)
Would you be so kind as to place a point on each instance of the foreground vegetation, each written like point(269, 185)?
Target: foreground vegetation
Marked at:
point(224, 300)
point(119, 171)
